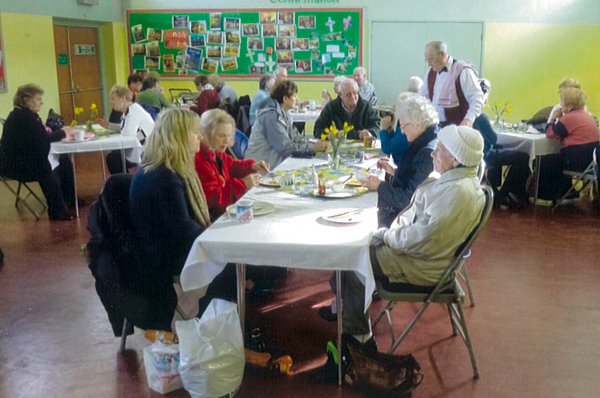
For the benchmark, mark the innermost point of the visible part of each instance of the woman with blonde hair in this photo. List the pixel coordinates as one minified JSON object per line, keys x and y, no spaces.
{"x":167,"y":203}
{"x":223,"y":178}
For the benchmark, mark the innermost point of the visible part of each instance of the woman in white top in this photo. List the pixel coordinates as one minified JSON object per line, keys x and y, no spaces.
{"x":134,"y":122}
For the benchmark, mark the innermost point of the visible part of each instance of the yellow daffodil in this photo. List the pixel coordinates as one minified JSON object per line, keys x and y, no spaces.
{"x":73,"y":123}
{"x":485,"y":108}
{"x":93,"y":107}
{"x":322,"y":175}
{"x":508,"y":111}
{"x":498,"y":105}
{"x":78,"y":111}
{"x":323,"y":136}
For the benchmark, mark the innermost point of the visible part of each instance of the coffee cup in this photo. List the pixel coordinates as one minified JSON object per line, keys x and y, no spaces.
{"x":368,"y":141}
{"x":79,"y":135}
{"x":312,"y":105}
{"x":243,"y":211}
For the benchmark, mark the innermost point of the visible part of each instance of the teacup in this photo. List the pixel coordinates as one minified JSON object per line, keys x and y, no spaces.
{"x":243,"y":211}
{"x":337,"y":187}
{"x":287,"y":181}
{"x":78,"y":135}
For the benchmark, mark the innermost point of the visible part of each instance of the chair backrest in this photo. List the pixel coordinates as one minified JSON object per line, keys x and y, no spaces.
{"x":151,"y":109}
{"x":177,"y":92}
{"x":243,"y":120}
{"x":240,"y":145}
{"x":461,"y":251}
{"x":481,"y":171}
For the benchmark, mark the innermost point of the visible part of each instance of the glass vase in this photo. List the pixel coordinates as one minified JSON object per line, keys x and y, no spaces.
{"x":497,"y":122}
{"x":335,"y":159}
{"x":89,"y":128}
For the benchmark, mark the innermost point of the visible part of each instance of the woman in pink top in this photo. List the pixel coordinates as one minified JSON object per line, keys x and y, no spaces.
{"x":576,"y":129}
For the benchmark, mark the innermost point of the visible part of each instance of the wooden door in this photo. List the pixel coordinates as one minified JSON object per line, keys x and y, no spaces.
{"x":78,"y":66}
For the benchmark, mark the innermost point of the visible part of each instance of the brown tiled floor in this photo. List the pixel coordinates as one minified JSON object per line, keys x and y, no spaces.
{"x":535,"y":327}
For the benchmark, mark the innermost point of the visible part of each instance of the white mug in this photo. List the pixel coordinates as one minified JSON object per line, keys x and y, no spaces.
{"x":243,"y":211}
{"x":79,"y":135}
{"x":312,"y":105}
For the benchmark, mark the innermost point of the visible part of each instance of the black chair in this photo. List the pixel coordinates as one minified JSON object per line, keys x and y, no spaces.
{"x":447,"y":291}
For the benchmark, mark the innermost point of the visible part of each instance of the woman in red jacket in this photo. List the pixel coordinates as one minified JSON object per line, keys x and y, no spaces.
{"x":223,"y":178}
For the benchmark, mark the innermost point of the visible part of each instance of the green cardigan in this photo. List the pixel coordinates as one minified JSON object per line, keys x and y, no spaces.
{"x":154,"y":98}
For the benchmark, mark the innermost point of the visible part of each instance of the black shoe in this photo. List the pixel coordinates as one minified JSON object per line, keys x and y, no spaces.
{"x":327,"y":314}
{"x":327,"y":373}
{"x":376,"y":296}
{"x":63,"y":217}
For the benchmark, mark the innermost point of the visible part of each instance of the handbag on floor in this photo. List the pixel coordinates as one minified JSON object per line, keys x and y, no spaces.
{"x":381,"y":375}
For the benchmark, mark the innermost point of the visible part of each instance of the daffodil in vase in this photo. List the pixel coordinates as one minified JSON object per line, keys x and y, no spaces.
{"x":336,"y":138}
{"x":499,"y":109}
{"x":89,"y":123}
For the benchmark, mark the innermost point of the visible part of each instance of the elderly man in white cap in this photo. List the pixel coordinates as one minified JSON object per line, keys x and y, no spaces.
{"x":420,"y":244}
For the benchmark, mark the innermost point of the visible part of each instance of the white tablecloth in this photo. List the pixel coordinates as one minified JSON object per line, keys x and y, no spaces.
{"x":294,"y":236}
{"x":308,"y":116}
{"x":132,"y":145}
{"x":533,"y":144}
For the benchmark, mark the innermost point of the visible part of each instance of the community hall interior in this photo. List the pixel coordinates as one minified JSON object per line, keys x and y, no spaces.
{"x":534,"y":271}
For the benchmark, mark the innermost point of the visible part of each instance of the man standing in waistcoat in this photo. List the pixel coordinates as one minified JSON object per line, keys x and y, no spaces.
{"x":459,"y":103}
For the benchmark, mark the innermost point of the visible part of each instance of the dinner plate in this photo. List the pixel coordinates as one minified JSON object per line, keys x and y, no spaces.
{"x":353,"y":216}
{"x":68,"y":141}
{"x":258,"y":209}
{"x":329,"y":194}
{"x":272,"y":182}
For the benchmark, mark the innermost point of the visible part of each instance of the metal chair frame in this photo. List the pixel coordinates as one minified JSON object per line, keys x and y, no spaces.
{"x":587,"y":176}
{"x":175,"y":93}
{"x":447,"y":291}
{"x":23,"y":200}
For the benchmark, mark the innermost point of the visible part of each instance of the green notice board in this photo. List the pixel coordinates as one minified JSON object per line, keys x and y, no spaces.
{"x":246,"y":43}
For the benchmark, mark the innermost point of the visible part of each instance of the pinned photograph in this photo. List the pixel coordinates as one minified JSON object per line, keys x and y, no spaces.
{"x":197,"y":40}
{"x":285,"y":17}
{"x":269,"y":30}
{"x":214,"y":51}
{"x":341,"y":68}
{"x":181,"y":22}
{"x":141,"y":72}
{"x":313,"y":43}
{"x":327,"y":37}
{"x":138,"y":49}
{"x":152,"y":62}
{"x":267,"y":17}
{"x":250,"y":29}
{"x":169,"y":63}
{"x":215,"y":20}
{"x":314,"y":35}
{"x":210,"y":65}
{"x":192,"y":59}
{"x":352,"y":52}
{"x":270,"y":50}
{"x":285,"y":57}
{"x":138,"y":33}
{"x":232,"y":24}
{"x":299,"y":44}
{"x":307,"y":22}
{"x":346,"y":42}
{"x":182,"y":72}
{"x":262,"y":57}
{"x":256,"y":43}
{"x":338,"y":35}
{"x":233,"y":37}
{"x":319,"y":66}
{"x":283,"y":44}
{"x":155,"y":34}
{"x":180,"y":59}
{"x":153,"y":49}
{"x":232,"y":50}
{"x":288,"y":67}
{"x":303,"y":66}
{"x":315,"y":55}
{"x":256,"y":69}
{"x":347,"y":61}
{"x":177,"y":38}
{"x":215,"y":37}
{"x":287,"y":30}
{"x":229,"y":63}
{"x":198,"y":26}
{"x":329,"y":71}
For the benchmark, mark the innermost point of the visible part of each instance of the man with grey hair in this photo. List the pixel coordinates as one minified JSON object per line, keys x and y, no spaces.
{"x":451,"y":86}
{"x":280,"y":74}
{"x":265,"y":85}
{"x":349,"y":108}
{"x":414,"y":84}
{"x":365,"y":87}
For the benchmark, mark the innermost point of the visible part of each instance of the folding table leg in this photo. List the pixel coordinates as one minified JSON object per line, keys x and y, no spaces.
{"x":103,"y":165}
{"x":340,"y":308}
{"x":123,"y":160}
{"x":75,"y":185}
{"x":241,"y":292}
{"x":538,"y":167}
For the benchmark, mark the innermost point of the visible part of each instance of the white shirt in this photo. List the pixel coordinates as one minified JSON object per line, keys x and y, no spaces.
{"x":137,"y":119}
{"x":468,"y":83}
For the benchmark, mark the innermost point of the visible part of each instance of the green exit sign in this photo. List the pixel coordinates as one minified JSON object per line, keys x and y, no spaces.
{"x":63,"y":59}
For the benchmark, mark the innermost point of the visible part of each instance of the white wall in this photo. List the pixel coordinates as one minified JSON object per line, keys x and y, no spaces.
{"x":514,"y":11}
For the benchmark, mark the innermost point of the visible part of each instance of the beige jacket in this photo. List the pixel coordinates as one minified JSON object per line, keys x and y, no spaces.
{"x":420,"y":244}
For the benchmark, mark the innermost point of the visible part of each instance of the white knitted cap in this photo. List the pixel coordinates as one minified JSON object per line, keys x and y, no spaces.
{"x":464,"y":143}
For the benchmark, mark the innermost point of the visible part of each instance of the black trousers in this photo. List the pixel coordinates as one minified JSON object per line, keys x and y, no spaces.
{"x":114,"y":161}
{"x":57,"y":186}
{"x":516,"y":178}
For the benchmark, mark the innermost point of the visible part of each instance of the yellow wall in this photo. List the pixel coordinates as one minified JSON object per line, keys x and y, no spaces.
{"x":526,"y":62}
{"x":114,"y":53}
{"x":29,"y":57}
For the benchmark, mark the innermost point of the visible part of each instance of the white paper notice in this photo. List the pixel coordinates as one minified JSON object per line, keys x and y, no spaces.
{"x":262,"y":57}
{"x":332,"y":48}
{"x":338,"y":55}
{"x":326,"y":58}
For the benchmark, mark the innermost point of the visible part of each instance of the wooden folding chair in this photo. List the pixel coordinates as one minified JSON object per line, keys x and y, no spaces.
{"x":447,"y":291}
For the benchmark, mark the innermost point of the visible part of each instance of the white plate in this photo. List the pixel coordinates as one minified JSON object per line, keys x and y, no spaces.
{"x":272,"y":182}
{"x":329,"y":194}
{"x":67,"y":141}
{"x":354,"y":216}
{"x":258,"y":208}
